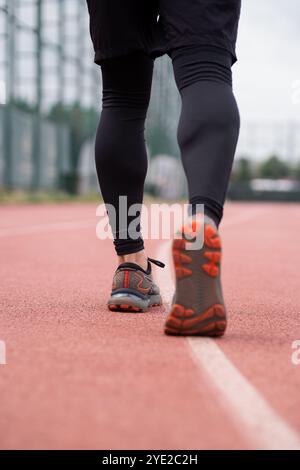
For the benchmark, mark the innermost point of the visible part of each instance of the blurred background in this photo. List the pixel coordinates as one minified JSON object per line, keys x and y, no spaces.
{"x":50,"y":101}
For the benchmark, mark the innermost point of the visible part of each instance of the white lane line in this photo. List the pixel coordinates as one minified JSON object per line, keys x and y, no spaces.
{"x":52,"y":227}
{"x":260,"y":424}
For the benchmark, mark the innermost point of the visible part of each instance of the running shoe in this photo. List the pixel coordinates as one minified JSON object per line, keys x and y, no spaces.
{"x":198,"y":306}
{"x":133,"y":289}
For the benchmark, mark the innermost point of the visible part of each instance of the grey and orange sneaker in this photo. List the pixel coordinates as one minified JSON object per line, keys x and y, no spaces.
{"x":198,"y":306}
{"x":133,"y":289}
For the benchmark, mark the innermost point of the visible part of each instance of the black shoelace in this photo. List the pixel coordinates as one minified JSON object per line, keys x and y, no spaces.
{"x":156,"y":262}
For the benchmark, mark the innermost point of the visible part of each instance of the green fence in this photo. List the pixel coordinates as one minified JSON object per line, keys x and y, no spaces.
{"x":21,"y":167}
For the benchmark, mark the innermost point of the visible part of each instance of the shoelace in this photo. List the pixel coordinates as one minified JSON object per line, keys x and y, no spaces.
{"x":156,"y":262}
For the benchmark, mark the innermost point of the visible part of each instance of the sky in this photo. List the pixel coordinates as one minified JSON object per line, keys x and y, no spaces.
{"x":267,"y":75}
{"x":267,"y":79}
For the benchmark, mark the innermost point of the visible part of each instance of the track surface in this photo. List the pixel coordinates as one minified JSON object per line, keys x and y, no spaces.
{"x":78,"y":376}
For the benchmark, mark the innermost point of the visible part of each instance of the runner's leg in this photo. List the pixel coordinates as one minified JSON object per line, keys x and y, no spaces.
{"x":121,"y":157}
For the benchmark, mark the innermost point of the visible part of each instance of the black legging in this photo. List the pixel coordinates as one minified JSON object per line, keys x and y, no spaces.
{"x":207,"y":134}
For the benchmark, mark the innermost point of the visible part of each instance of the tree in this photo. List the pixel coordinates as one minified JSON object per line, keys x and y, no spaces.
{"x":242,"y":172}
{"x":296,"y":171}
{"x":274,"y":168}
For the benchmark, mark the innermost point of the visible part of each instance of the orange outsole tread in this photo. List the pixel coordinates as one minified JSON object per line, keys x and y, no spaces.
{"x":128,"y":308}
{"x":124,"y":308}
{"x":186,"y":322}
{"x":182,"y":260}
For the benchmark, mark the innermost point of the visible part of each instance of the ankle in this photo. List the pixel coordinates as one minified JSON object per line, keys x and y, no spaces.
{"x":139,"y":258}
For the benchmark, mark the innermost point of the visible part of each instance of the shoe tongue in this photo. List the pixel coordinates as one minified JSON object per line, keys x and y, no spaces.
{"x":135,"y":266}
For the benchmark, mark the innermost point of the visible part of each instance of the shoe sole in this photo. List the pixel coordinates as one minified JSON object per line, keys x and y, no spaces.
{"x":133,"y":304}
{"x":184,"y":321}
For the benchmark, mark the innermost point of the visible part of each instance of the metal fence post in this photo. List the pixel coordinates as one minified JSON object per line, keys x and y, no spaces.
{"x":10,"y":89}
{"x":37,"y":151}
{"x":61,"y":91}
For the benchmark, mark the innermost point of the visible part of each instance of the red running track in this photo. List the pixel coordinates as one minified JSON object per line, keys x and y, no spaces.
{"x":80,"y":377}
